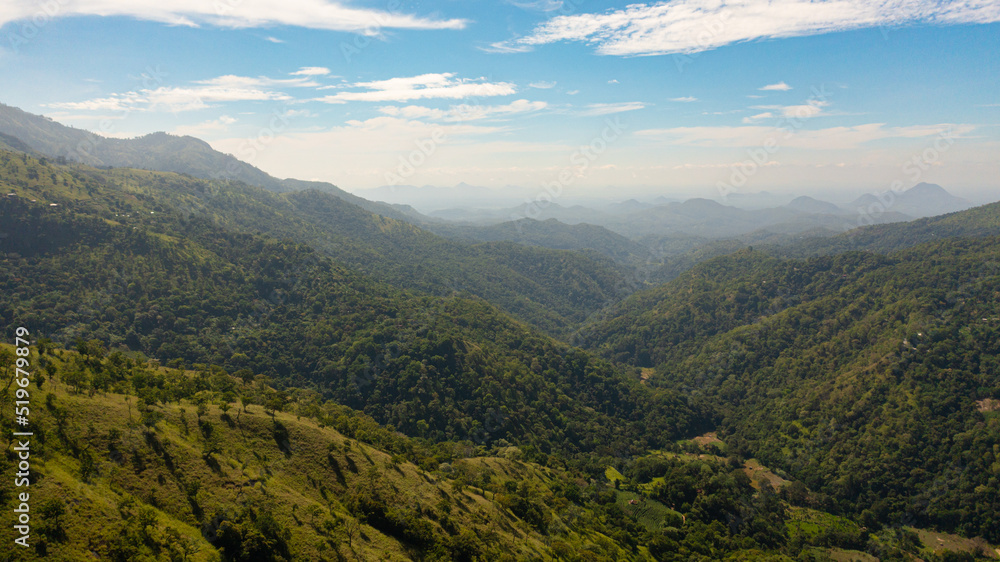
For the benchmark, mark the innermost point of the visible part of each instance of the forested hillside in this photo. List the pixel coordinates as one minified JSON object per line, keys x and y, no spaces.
{"x":43,"y":137}
{"x":439,"y":367}
{"x":872,"y":378}
{"x":868,"y":382}
{"x":550,"y":289}
{"x":135,"y":461}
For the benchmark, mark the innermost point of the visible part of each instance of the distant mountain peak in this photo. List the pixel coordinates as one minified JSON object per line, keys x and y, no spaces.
{"x":702,"y":203}
{"x":807,"y":204}
{"x":921,"y":200}
{"x":924,"y":188}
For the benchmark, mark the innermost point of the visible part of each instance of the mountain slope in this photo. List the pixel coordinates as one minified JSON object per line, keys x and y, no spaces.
{"x":921,"y":200}
{"x":161,"y":152}
{"x":863,"y":375}
{"x":551,"y":289}
{"x":979,"y":221}
{"x":204,"y":466}
{"x":552,"y":234}
{"x":179,"y":288}
{"x":811,"y":205}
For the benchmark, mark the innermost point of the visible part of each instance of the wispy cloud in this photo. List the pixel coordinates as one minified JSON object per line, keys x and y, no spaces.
{"x":609,"y":108}
{"x":460,"y":113}
{"x":685,"y":99}
{"x":424,"y":86}
{"x":311,"y":71}
{"x":759,"y":117}
{"x":314,"y":14}
{"x":542,"y":85}
{"x":689,"y":26}
{"x":812,"y":108}
{"x":273,"y":39}
{"x":780,"y":87}
{"x":506,"y":47}
{"x":537,"y":5}
{"x":234,"y":81}
{"x":832,"y":138}
{"x":201,"y":94}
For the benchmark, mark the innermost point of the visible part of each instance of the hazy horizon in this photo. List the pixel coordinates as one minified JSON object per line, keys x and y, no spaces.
{"x":689,"y":98}
{"x":429,"y":198}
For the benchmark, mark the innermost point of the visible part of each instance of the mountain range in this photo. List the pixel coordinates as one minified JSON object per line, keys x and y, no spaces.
{"x":226,"y":371}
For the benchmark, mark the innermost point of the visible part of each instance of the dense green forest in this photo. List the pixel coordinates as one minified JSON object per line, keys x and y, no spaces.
{"x":159,"y":463}
{"x":442,"y":367}
{"x":872,"y":378}
{"x":226,"y":373}
{"x":550,"y":289}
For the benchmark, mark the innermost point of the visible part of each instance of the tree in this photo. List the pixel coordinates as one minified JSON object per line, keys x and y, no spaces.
{"x":52,"y":524}
{"x":150,"y":418}
{"x":351,"y":530}
{"x":313,"y":511}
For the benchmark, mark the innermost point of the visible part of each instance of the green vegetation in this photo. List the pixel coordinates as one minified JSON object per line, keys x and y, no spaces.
{"x":227,"y":373}
{"x":860,"y":375}
{"x":550,"y":289}
{"x":131,"y":474}
{"x":443,"y":368}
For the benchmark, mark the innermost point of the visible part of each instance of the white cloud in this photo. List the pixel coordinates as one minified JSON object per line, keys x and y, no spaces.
{"x":314,"y":14}
{"x":207,"y":128}
{"x":186,"y":99}
{"x":202,"y":94}
{"x":505,"y":47}
{"x":273,"y":39}
{"x":298,"y":113}
{"x":311,"y":71}
{"x":425,"y":86}
{"x":537,"y":5}
{"x":542,"y":85}
{"x":572,"y":92}
{"x":115,"y":102}
{"x":233,"y":81}
{"x":595,"y":109}
{"x":802,"y":111}
{"x":833,"y":138}
{"x":685,"y":99}
{"x":613,"y":81}
{"x":689,"y":26}
{"x":758,"y":117}
{"x":460,"y":113}
{"x":812,"y":108}
{"x":363,"y":152}
{"x":780,"y":87}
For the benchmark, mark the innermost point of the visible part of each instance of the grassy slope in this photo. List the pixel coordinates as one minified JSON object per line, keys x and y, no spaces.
{"x":317,"y":466}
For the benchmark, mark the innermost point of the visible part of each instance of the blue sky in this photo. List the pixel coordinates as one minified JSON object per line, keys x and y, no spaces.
{"x":681,"y":98}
